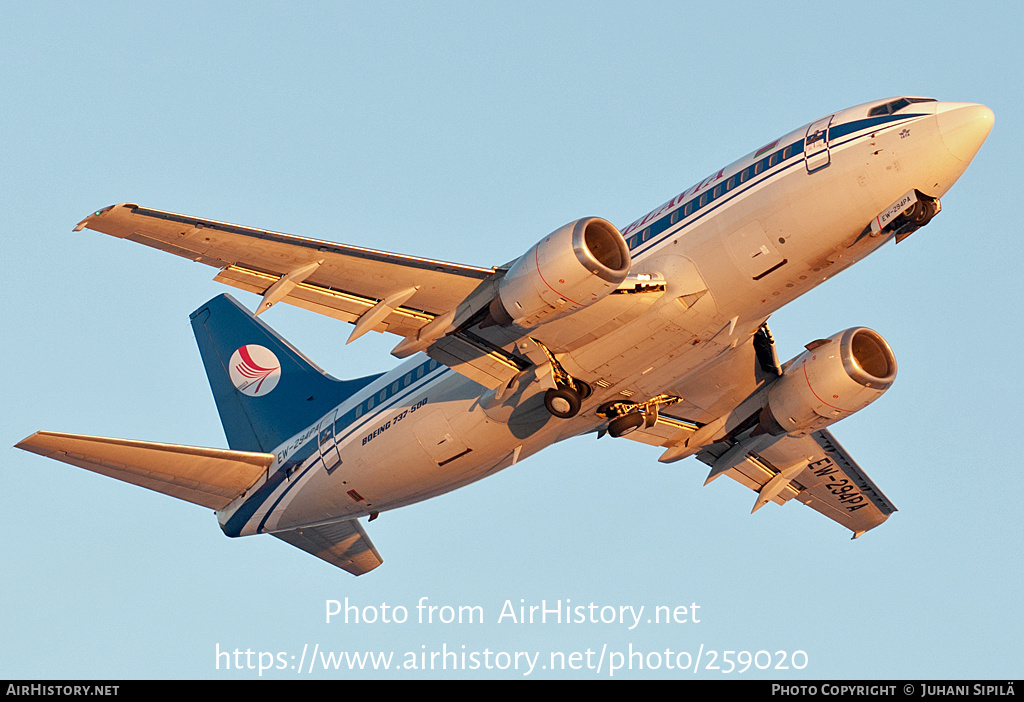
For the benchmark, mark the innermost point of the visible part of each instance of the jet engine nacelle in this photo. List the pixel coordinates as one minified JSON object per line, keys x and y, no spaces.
{"x":834,"y":378}
{"x":573,"y":267}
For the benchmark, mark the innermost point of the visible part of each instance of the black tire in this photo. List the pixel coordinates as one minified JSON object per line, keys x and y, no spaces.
{"x":626,"y":424}
{"x":562,"y":402}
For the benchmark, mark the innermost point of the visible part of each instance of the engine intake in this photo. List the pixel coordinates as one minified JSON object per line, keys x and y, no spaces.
{"x":573,"y":267}
{"x":834,"y":378}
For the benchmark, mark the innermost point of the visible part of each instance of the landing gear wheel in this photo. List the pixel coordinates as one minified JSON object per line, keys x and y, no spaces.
{"x":921,"y":212}
{"x":562,"y":402}
{"x":626,"y":424}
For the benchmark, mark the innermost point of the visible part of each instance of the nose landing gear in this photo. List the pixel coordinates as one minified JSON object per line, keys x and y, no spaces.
{"x":904,"y":217}
{"x":916,"y":216}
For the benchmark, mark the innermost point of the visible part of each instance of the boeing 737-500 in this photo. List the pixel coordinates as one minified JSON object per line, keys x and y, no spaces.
{"x":655,"y":333}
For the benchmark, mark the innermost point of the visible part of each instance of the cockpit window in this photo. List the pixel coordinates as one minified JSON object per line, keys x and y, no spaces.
{"x":895,"y":106}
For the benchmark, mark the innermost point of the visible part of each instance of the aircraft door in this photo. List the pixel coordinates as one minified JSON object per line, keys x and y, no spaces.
{"x":816,"y":151}
{"x":328,"y":446}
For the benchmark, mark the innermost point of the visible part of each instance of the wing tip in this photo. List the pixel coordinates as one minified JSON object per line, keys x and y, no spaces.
{"x":30,"y":443}
{"x":99,"y":213}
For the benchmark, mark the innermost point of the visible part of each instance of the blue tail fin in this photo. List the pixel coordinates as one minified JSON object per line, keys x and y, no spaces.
{"x":266,"y":390}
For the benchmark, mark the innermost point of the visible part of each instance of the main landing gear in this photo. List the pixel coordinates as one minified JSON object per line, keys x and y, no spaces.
{"x":627,"y":417}
{"x":626,"y":424}
{"x":564,"y":400}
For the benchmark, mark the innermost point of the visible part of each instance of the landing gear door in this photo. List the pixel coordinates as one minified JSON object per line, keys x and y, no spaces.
{"x":328,"y":446}
{"x":816,"y":152}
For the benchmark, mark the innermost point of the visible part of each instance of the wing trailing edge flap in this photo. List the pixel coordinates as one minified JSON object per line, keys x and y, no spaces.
{"x":338,"y":304}
{"x":814,"y":469}
{"x":342,"y":544}
{"x":204,"y":476}
{"x":479,"y":362}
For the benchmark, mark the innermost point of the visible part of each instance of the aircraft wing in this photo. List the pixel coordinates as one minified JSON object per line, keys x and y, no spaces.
{"x":375,"y":290}
{"x":402,"y":293}
{"x":342,"y":544}
{"x":813,"y":468}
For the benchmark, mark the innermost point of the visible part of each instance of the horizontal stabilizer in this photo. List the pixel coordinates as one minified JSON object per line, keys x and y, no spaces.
{"x":204,"y":476}
{"x":342,"y":544}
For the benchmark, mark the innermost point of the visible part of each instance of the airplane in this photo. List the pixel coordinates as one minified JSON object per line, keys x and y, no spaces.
{"x":655,"y":333}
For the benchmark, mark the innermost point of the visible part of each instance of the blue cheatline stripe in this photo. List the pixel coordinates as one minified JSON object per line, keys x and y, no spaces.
{"x":842,"y":130}
{"x":238,"y":520}
{"x":402,"y":395}
{"x":693,"y":208}
{"x":650,"y":234}
{"x":233,"y":527}
{"x":366,"y":420}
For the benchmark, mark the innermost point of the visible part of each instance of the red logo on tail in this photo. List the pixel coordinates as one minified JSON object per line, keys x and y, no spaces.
{"x":254,"y":370}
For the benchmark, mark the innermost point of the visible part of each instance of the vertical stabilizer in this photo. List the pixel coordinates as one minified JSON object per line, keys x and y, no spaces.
{"x":265,"y":389}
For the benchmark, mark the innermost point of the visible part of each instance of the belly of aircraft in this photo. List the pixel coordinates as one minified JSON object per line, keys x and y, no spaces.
{"x":726,"y":276}
{"x":401,"y":458}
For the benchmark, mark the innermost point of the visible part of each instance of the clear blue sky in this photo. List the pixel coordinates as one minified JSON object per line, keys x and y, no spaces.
{"x":466,"y":131}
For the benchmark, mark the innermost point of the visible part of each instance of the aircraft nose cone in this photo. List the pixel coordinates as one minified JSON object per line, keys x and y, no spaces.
{"x":964,"y":129}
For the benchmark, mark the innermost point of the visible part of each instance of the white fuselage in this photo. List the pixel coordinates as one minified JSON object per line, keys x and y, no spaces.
{"x":732,"y":249}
